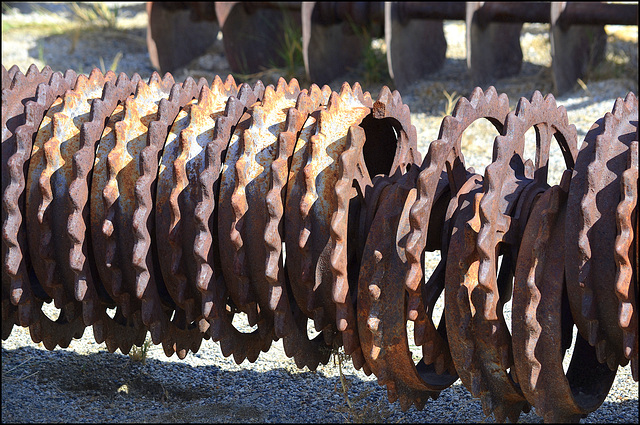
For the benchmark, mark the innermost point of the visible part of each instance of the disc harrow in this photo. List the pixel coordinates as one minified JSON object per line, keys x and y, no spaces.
{"x":170,"y":208}
{"x":335,"y":35}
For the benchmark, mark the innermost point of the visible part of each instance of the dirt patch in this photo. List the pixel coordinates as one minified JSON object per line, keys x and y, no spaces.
{"x":208,"y":412}
{"x":117,"y":377}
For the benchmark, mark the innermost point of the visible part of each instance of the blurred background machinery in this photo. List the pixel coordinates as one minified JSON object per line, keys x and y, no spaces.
{"x":255,"y":35}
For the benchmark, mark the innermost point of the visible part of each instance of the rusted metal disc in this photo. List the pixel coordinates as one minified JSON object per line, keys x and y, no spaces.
{"x":542,"y":323}
{"x":383,"y":143}
{"x":460,"y":280}
{"x":49,"y":177}
{"x":510,"y":186}
{"x":26,"y":291}
{"x":381,"y":302}
{"x":256,"y":150}
{"x":411,"y":383}
{"x":217,"y":307}
{"x":434,"y":340}
{"x":115,"y":171}
{"x":182,"y":160}
{"x":17,"y":90}
{"x":179,"y":333}
{"x":301,"y":259}
{"x":10,"y":100}
{"x":337,"y":145}
{"x":242,"y":210}
{"x":310,"y":203}
{"x":280,"y":116}
{"x":591,"y":230}
{"x":117,"y":332}
{"x":627,"y":258}
{"x":289,"y":319}
{"x":445,"y":153}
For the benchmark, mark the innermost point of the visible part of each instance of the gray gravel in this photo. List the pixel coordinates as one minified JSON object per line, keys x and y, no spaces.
{"x":85,"y":383}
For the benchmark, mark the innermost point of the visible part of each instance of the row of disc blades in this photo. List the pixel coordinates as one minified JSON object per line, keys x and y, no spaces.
{"x":170,"y":208}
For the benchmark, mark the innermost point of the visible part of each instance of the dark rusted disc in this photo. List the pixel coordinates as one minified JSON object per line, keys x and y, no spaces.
{"x":254,"y":36}
{"x":542,"y":323}
{"x":112,"y":203}
{"x":510,"y":185}
{"x":381,"y":302}
{"x":383,"y":143}
{"x":591,"y":230}
{"x":255,"y":152}
{"x":47,"y":188}
{"x":29,"y":295}
{"x":117,"y":332}
{"x":241,"y":204}
{"x":159,"y":312}
{"x":217,"y":307}
{"x":10,"y":100}
{"x":18,"y":90}
{"x":627,"y":258}
{"x":445,"y":153}
{"x":310,"y":202}
{"x":26,"y":291}
{"x":179,"y":32}
{"x":290,"y":321}
{"x":181,"y":163}
{"x":461,"y":279}
{"x":47,"y":203}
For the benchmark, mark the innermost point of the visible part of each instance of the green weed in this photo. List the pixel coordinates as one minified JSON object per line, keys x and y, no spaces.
{"x":97,"y":14}
{"x":291,"y":52}
{"x":40,"y":52}
{"x":375,"y":64}
{"x":114,"y":63}
{"x":374,"y":61}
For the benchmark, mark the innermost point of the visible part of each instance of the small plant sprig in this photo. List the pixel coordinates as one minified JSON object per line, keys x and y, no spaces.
{"x":452,"y":99}
{"x":139,"y":354}
{"x":367,"y":413}
{"x":97,"y":14}
{"x":338,"y":357}
{"x":374,"y":60}
{"x":114,"y":63}
{"x":291,"y":52}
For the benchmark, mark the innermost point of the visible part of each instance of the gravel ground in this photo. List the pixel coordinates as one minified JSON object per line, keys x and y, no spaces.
{"x":85,"y":383}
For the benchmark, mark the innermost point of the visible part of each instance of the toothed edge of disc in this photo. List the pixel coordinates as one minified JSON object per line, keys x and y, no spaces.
{"x":627,"y":313}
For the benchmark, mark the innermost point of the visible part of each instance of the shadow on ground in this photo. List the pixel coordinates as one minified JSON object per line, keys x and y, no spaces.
{"x":156,"y":392}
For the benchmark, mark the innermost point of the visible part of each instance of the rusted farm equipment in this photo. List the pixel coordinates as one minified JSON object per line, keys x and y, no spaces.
{"x":254,"y":35}
{"x":180,"y":205}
